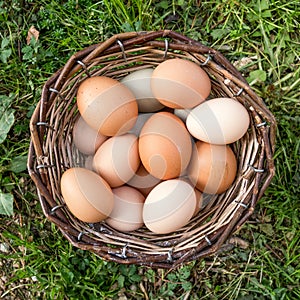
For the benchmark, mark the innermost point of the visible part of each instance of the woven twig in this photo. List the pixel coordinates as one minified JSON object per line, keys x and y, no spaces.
{"x":51,"y":151}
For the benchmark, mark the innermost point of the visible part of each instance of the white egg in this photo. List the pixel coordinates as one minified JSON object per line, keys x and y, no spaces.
{"x":169,"y":206}
{"x":139,"y":84}
{"x":218,"y":121}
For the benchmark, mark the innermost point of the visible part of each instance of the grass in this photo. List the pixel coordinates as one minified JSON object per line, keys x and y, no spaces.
{"x":36,"y":262}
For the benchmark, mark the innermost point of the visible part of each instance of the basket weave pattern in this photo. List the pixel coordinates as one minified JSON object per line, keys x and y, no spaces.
{"x":52,"y":152}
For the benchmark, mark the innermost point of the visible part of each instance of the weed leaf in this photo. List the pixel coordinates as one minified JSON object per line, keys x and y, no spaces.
{"x":163,"y":4}
{"x":4,"y":42}
{"x":263,"y":4}
{"x":6,"y":204}
{"x":219,"y":33}
{"x":18,"y":164}
{"x":28,"y":52}
{"x":7,"y":119}
{"x":6,"y":115}
{"x":121,"y":280}
{"x":267,"y":228}
{"x":5,"y":54}
{"x":257,"y":75}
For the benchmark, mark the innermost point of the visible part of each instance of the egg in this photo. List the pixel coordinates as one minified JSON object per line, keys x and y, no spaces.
{"x":199,"y":195}
{"x":117,"y":159}
{"x":86,"y":139}
{"x":107,"y":105}
{"x":212,"y":168}
{"x":218,"y":121}
{"x":127,"y":214}
{"x":165,"y":146}
{"x":87,"y":195}
{"x":182,"y":113}
{"x":169,"y":206}
{"x":139,"y":83}
{"x":180,"y":83}
{"x":143,"y":181}
{"x":199,"y":202}
{"x":88,"y":163}
{"x":141,"y":120}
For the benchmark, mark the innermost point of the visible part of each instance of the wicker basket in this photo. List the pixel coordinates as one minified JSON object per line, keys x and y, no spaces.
{"x":51,"y":151}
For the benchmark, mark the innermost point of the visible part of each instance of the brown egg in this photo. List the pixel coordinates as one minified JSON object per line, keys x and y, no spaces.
{"x":117,"y":159}
{"x":87,"y":195}
{"x":86,"y":139}
{"x":180,"y":83}
{"x":127,"y":214}
{"x":212,"y":168}
{"x":107,"y":105}
{"x":143,"y":181}
{"x":165,"y":146}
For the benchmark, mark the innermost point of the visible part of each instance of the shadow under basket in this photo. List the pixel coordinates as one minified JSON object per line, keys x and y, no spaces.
{"x":51,"y":151}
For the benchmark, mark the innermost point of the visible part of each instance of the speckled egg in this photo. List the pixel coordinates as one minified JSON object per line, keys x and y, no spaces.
{"x":107,"y":105}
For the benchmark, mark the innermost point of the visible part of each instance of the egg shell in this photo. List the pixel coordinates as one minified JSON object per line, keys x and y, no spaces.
{"x":165,"y":146}
{"x":180,"y":83}
{"x":127,"y":214}
{"x":212,"y":168}
{"x":87,"y":195}
{"x":182,"y":113}
{"x":199,"y":201}
{"x":88,"y":163}
{"x":117,"y":159}
{"x":107,"y":105}
{"x":218,"y":121}
{"x":86,"y":139}
{"x":143,"y":181}
{"x":139,"y":83}
{"x":140,"y":122}
{"x":199,"y":195}
{"x":169,"y":206}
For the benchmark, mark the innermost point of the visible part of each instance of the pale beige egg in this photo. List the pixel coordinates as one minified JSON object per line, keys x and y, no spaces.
{"x":127,"y":214}
{"x":139,"y":83}
{"x":143,"y":181}
{"x":140,"y":122}
{"x":182,"y":113}
{"x":85,"y":138}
